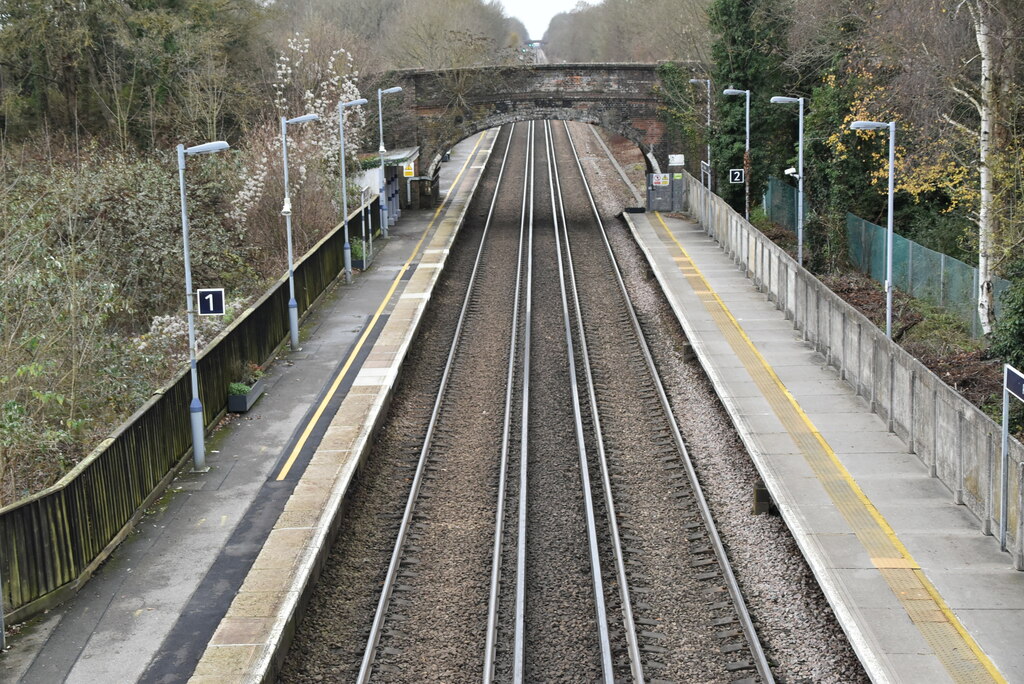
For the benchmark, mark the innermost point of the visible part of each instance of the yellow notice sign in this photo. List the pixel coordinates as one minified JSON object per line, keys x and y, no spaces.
{"x":409,"y":169}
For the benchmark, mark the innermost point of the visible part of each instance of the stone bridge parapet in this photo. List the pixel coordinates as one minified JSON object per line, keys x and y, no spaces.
{"x":441,"y":108}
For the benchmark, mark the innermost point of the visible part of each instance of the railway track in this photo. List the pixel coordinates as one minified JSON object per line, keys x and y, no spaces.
{"x":552,"y":527}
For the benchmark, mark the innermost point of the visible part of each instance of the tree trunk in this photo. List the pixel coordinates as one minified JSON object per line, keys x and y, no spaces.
{"x":981,"y":14}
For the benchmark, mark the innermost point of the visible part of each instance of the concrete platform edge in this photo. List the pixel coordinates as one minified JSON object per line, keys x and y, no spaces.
{"x":876,"y":668}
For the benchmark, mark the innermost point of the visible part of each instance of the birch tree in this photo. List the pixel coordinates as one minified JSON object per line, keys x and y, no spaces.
{"x":996,"y":34}
{"x":951,"y":68}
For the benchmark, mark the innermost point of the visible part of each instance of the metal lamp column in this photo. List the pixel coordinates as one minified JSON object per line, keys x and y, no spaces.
{"x":746,"y":150}
{"x":347,"y":249}
{"x":293,"y":306}
{"x":800,"y":177}
{"x":707,"y":83}
{"x":874,"y":126}
{"x":380,"y":119}
{"x":196,"y":406}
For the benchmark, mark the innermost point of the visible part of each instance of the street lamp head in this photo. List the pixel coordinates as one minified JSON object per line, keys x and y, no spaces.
{"x":734,"y":91}
{"x":868,"y":125}
{"x":778,"y":99}
{"x":396,"y":89}
{"x":354,"y":103}
{"x":303,"y":119}
{"x":207,"y":148}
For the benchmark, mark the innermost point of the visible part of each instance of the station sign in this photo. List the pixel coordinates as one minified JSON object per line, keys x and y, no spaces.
{"x":676,"y":160}
{"x":1014,"y":380}
{"x":1013,"y":384}
{"x":210,"y":301}
{"x":736,"y":175}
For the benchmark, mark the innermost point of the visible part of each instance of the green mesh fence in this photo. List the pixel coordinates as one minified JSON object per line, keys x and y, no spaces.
{"x":780,"y":204}
{"x":920,"y":272}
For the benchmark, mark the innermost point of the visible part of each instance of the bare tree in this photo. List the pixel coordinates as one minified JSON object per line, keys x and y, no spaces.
{"x":952,"y":67}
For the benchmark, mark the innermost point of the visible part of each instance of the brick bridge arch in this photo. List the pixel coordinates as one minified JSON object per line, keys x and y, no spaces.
{"x":439,"y":108}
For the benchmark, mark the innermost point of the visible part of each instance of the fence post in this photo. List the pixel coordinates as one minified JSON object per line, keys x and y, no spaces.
{"x":942,"y":279}
{"x":865,"y":260}
{"x":1018,"y":559}
{"x":3,"y":625}
{"x":958,"y":492}
{"x":974,"y":293}
{"x":990,"y":486}
{"x":910,"y":268}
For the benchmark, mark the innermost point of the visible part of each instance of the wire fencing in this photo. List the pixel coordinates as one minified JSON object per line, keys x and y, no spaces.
{"x":922,"y":273}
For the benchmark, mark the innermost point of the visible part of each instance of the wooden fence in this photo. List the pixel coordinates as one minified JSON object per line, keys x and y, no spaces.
{"x":52,"y":542}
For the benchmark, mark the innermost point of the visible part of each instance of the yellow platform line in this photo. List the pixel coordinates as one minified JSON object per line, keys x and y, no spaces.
{"x":304,"y":437}
{"x":955,"y":648}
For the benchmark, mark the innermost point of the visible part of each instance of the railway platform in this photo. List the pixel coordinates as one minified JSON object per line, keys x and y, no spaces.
{"x":150,"y":612}
{"x":921,"y":593}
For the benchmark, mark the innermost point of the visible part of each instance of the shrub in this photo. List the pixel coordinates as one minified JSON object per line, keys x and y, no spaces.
{"x":1008,"y":336}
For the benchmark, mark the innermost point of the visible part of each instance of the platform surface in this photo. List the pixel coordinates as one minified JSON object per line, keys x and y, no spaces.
{"x":922,"y":594}
{"x":150,"y":612}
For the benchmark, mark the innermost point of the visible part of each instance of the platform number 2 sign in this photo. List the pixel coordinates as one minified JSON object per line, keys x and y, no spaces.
{"x":211,"y":301}
{"x":735,"y":175}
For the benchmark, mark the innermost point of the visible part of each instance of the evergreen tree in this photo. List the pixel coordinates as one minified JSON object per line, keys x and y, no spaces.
{"x":748,"y":54}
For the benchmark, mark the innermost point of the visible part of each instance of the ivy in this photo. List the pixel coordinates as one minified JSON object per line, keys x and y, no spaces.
{"x":748,"y":54}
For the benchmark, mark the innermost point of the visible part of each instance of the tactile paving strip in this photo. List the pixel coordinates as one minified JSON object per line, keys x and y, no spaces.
{"x":953,"y":646}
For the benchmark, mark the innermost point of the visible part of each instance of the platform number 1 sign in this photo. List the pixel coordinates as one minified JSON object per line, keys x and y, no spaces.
{"x":735,"y":175}
{"x":211,"y":301}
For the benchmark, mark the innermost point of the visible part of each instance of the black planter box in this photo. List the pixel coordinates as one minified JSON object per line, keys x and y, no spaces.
{"x":240,"y":403}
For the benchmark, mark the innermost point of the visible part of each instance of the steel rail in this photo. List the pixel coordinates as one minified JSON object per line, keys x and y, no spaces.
{"x":369,"y":654}
{"x":601,"y":613}
{"x":506,"y":437}
{"x":519,"y":645}
{"x":743,"y":615}
{"x":628,"y":621}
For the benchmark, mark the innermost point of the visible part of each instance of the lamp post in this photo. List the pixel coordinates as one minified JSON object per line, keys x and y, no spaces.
{"x":196,"y":406}
{"x":874,"y":126}
{"x":707,"y":83}
{"x":746,"y":150}
{"x":344,"y":188}
{"x":293,"y":306}
{"x":799,"y":178}
{"x":383,"y":198}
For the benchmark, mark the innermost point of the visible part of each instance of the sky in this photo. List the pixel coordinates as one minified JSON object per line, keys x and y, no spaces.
{"x":537,"y":13}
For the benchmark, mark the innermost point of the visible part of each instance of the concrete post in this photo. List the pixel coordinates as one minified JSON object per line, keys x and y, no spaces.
{"x":1018,"y":557}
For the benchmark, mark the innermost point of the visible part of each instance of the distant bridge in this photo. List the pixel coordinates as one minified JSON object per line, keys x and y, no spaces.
{"x":443,"y":107}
